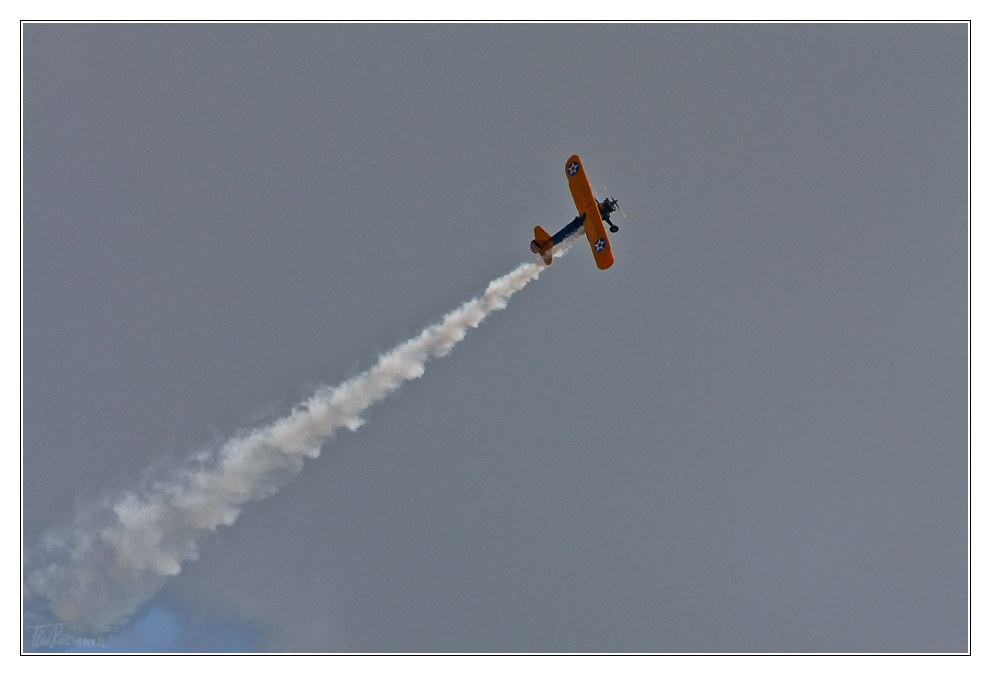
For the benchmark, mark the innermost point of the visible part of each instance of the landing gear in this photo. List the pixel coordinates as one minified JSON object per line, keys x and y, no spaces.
{"x":607,"y":207}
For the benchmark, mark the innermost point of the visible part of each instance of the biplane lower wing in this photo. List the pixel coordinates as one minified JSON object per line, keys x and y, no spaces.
{"x":585,"y":202}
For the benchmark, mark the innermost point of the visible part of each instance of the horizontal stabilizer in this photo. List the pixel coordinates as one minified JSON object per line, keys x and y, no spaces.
{"x":542,"y":244}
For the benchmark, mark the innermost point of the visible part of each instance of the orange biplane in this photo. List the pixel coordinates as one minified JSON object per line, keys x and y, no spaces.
{"x":592,"y":215}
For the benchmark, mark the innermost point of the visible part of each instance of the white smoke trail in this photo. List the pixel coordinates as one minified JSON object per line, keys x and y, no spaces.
{"x":97,"y":573}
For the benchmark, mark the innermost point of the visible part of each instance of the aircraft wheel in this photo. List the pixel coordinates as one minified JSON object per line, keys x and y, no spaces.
{"x":614,"y":228}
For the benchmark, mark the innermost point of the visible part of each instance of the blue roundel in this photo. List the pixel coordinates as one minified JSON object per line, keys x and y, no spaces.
{"x":573,"y":168}
{"x":600,"y":244}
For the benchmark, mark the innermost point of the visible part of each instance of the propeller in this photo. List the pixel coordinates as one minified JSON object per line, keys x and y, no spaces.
{"x":617,"y":202}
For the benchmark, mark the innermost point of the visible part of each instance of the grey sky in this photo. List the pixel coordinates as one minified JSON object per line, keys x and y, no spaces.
{"x":748,"y":435}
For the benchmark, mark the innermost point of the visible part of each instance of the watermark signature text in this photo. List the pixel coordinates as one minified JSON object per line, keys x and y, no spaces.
{"x":53,"y":636}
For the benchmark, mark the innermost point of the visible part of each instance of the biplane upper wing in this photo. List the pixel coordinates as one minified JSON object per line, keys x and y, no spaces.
{"x":595,"y":229}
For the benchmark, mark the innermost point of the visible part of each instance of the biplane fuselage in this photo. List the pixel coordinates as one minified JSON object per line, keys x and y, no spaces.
{"x":589,"y":216}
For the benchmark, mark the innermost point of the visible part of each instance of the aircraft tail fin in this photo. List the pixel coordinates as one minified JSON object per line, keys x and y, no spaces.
{"x":542,"y":244}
